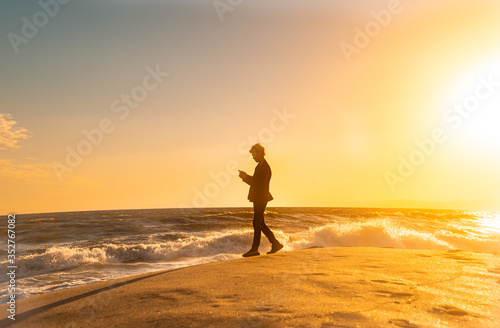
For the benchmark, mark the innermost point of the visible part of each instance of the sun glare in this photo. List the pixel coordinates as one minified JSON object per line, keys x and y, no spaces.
{"x":474,"y":106}
{"x":490,"y":222}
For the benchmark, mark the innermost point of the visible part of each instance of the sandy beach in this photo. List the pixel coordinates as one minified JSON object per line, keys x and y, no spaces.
{"x":316,"y":287}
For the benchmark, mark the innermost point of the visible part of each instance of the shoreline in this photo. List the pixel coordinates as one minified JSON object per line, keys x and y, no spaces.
{"x":314,"y":287}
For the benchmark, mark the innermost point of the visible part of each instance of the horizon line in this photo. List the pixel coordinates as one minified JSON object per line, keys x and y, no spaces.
{"x":228,"y":207}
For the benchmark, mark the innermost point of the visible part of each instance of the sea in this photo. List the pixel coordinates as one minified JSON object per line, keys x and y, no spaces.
{"x":61,"y":250}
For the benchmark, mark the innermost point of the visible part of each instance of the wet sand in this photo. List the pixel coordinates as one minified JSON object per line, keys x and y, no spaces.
{"x":317,"y":287}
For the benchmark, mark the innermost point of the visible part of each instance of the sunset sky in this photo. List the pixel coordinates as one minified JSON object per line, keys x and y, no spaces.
{"x":341,"y":113}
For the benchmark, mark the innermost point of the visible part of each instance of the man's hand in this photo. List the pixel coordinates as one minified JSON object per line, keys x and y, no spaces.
{"x":242,"y":174}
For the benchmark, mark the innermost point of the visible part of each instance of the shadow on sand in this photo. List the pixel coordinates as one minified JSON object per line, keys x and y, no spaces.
{"x":25,"y":315}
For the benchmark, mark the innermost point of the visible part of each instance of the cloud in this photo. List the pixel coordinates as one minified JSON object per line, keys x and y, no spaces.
{"x":9,"y":133}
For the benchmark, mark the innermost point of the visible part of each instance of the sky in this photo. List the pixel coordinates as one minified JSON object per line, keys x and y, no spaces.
{"x":155,"y":104}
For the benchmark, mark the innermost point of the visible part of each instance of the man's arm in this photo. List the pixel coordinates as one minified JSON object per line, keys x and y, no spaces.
{"x":246,"y":178}
{"x":260,"y":177}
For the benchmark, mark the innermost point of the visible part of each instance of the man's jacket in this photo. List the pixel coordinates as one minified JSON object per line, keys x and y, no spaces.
{"x":259,"y":183}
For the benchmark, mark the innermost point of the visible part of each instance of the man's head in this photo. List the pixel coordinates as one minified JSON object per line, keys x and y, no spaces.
{"x":258,"y":152}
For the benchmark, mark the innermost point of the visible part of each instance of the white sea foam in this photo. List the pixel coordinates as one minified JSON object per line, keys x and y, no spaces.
{"x":372,"y":233}
{"x":387,"y":233}
{"x":195,"y":247}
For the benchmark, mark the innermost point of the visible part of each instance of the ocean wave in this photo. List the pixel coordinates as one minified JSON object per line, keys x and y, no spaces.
{"x":236,"y":213}
{"x":242,"y":214}
{"x":42,"y":220}
{"x":59,"y":258}
{"x":371,"y":233}
{"x":387,"y":233}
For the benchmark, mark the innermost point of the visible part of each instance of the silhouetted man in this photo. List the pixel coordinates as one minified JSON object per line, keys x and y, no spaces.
{"x":259,"y":194}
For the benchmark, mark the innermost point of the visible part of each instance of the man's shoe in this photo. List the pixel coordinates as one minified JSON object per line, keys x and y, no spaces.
{"x":251,"y":253}
{"x":275,"y":248}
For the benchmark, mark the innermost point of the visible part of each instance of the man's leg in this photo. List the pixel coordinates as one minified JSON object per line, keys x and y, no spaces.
{"x":258,"y":220}
{"x":276,"y":245}
{"x":269,"y":234}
